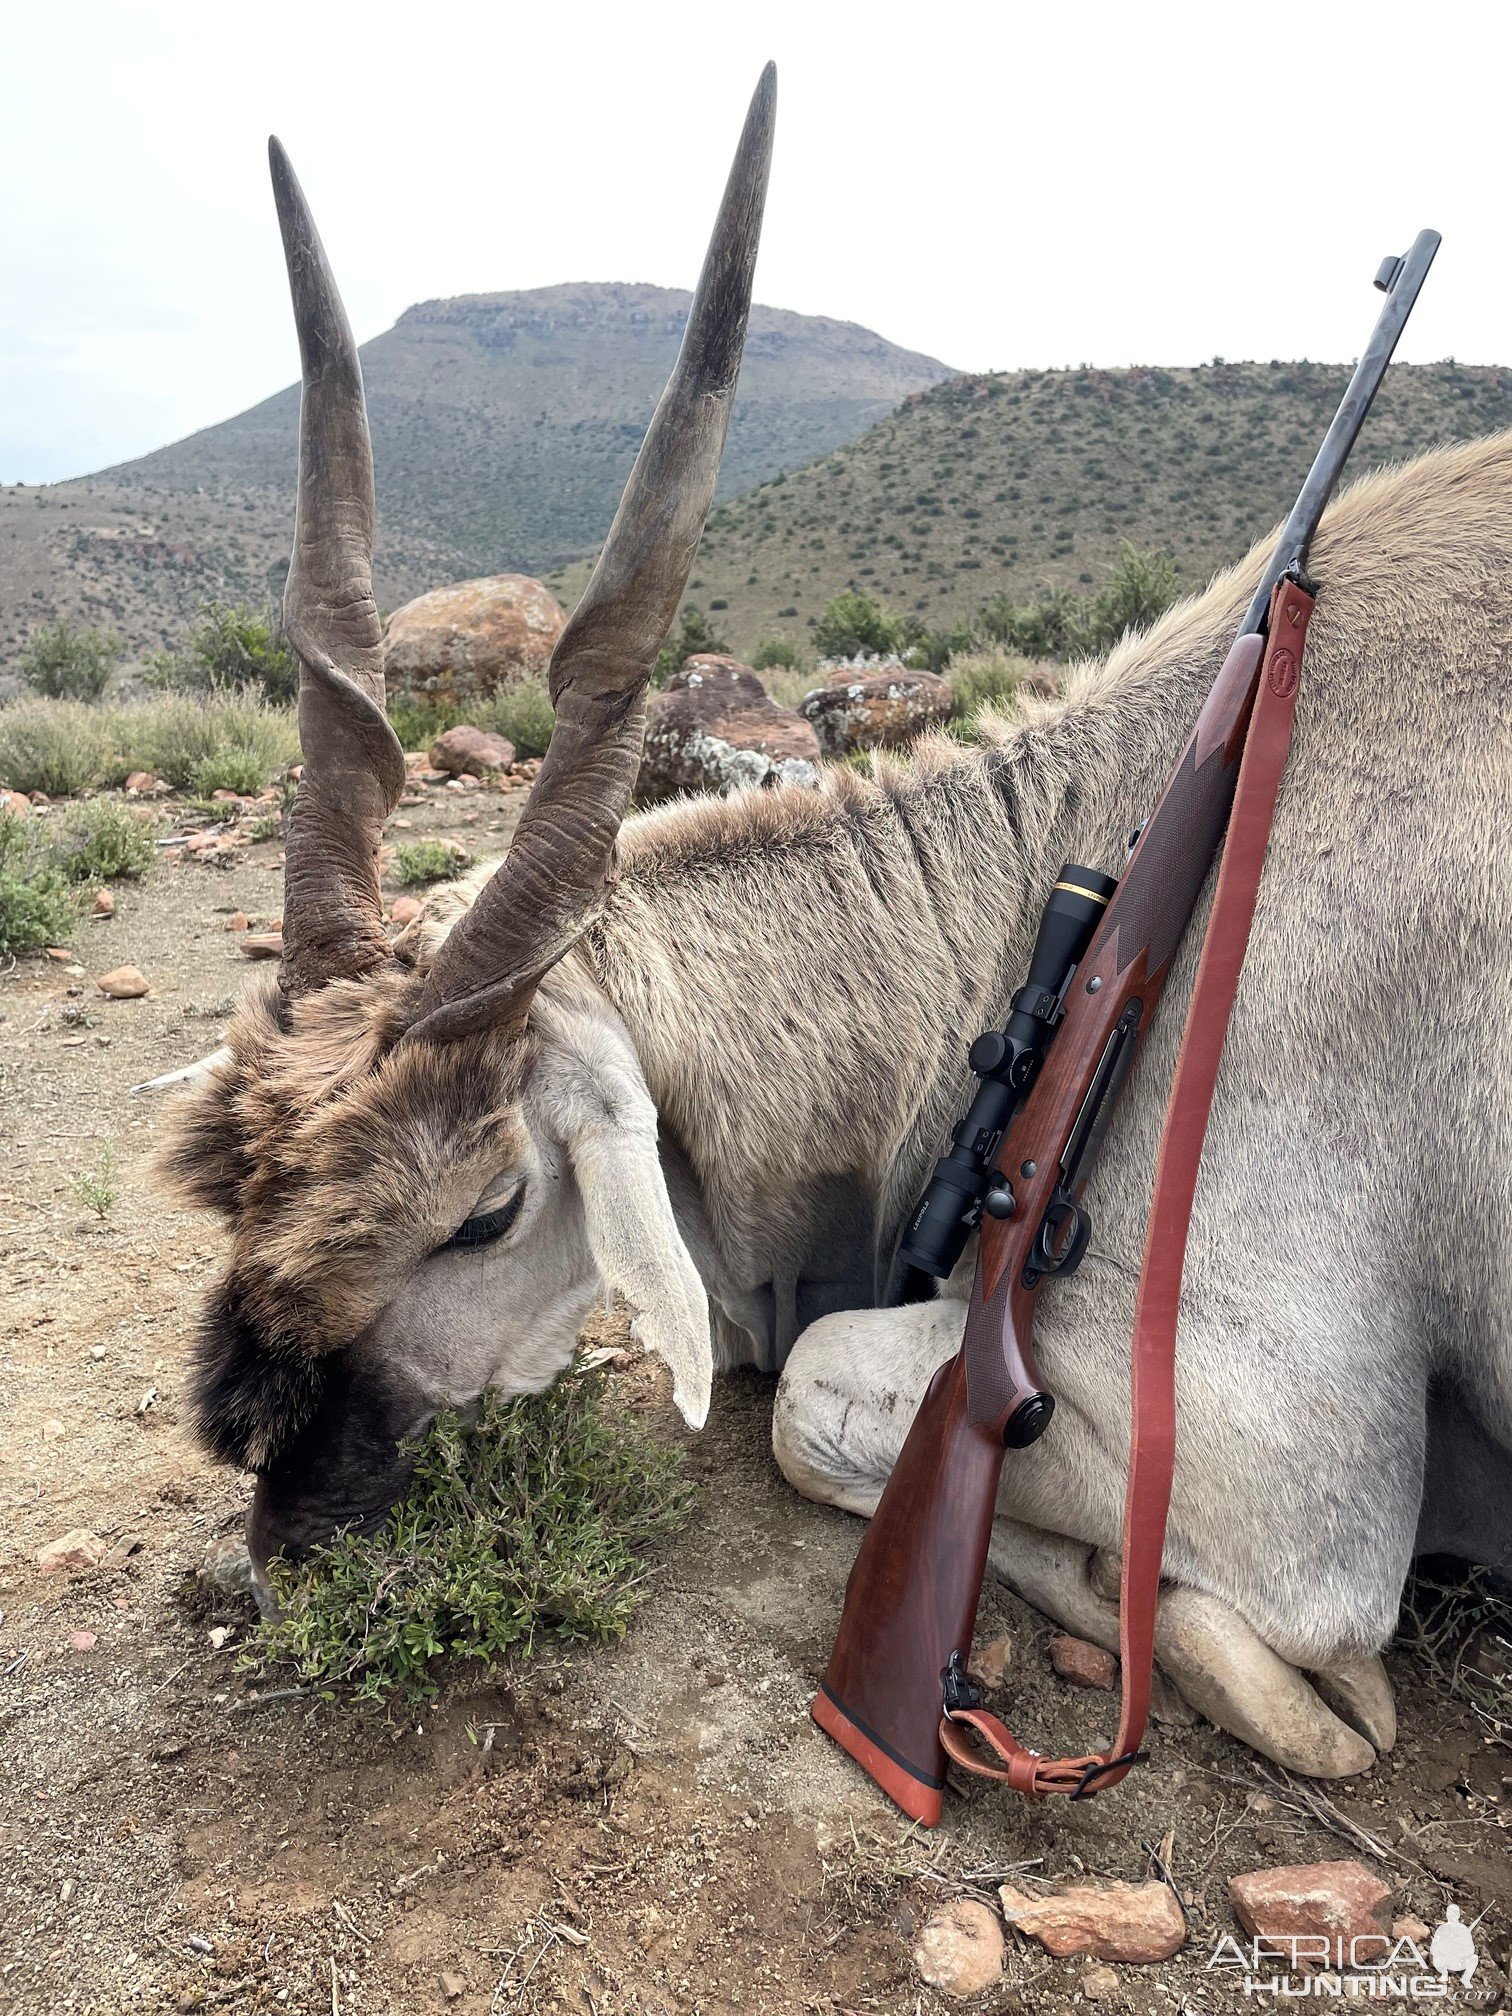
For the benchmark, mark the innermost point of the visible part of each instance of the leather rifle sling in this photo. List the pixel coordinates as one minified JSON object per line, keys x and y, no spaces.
{"x":1152,"y":1442}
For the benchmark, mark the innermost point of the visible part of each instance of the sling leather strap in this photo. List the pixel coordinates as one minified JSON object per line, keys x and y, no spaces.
{"x":1152,"y":1444}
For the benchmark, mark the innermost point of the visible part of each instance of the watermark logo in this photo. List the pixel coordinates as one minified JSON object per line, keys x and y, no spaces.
{"x":1370,"y":1967}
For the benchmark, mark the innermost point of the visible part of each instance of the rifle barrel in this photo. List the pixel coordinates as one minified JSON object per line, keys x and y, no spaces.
{"x":1400,"y":279}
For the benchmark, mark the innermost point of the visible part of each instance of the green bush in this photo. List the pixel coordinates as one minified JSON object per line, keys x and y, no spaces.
{"x":62,"y":747}
{"x":1059,"y":624}
{"x":37,"y":906}
{"x":522,"y":710}
{"x":776,"y":652}
{"x":180,"y":738}
{"x":230,"y":649}
{"x":853,"y":623}
{"x":534,"y":1526}
{"x":64,"y":664}
{"x":417,"y":722}
{"x":693,"y":637}
{"x":422,"y":861}
{"x":58,"y":746}
{"x":104,"y":842}
{"x":229,"y":769}
{"x":989,"y":676}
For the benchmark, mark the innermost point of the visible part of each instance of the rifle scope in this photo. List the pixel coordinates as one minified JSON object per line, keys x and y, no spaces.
{"x":1007,"y":1061}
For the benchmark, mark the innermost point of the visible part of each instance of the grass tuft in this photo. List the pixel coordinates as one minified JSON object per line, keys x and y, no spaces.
{"x":421,"y":861}
{"x":64,"y":746}
{"x":532,"y":1526}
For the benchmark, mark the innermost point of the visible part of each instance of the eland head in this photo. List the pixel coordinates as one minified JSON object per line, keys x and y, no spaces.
{"x":430,"y":1161}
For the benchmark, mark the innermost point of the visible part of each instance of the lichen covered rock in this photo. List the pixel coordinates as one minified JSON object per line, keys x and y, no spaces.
{"x":876,"y":710}
{"x":714,"y":727}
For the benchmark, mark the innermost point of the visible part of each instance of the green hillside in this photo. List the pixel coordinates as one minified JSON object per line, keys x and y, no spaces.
{"x":504,"y":426}
{"x":1028,"y":480}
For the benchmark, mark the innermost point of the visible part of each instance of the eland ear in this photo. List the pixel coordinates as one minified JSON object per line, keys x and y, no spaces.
{"x":640,"y":1252}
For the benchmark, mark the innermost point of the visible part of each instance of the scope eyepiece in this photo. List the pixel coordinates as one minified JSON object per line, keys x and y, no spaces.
{"x":1007,"y":1061}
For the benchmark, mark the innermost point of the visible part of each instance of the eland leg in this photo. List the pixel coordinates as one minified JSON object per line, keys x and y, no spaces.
{"x":844,"y":1405}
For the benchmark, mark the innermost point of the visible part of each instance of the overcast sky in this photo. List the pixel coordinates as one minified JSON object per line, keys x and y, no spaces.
{"x":999,"y":185}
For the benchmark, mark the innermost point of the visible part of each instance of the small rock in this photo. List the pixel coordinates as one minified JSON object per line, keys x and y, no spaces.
{"x":1098,"y":1983}
{"x":452,"y":1985}
{"x":39,"y":798}
{"x":122,"y":983}
{"x":76,"y":1549}
{"x":51,"y":1430}
{"x":218,"y":1634}
{"x":1134,"y":1922}
{"x":464,"y":751}
{"x":1337,"y":1901}
{"x":990,"y":1662}
{"x":226,"y":1569}
{"x":104,"y":903}
{"x":67,"y":1890}
{"x":61,"y":953}
{"x":1082,"y":1664}
{"x":81,"y":1641}
{"x":960,"y":1949}
{"x":405,"y":910}
{"x":238,"y":921}
{"x":97,"y":1353}
{"x":262,"y":944}
{"x":1413,"y":1929}
{"x":145,"y":785}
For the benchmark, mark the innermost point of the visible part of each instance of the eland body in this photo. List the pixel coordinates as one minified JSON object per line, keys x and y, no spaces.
{"x":704,"y":1059}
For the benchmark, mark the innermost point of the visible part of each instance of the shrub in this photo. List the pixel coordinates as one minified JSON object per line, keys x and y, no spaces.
{"x":37,"y":907}
{"x":853,"y":623}
{"x":534,"y":1526}
{"x":104,"y":842}
{"x":417,"y":722}
{"x":692,"y":639}
{"x":230,"y":649}
{"x":183,"y":740}
{"x":64,"y":664}
{"x":522,"y":710}
{"x":1059,"y":624}
{"x":62,"y":746}
{"x":775,"y":652}
{"x":57,"y":746}
{"x":228,"y":769}
{"x":986,"y":677}
{"x":422,"y":861}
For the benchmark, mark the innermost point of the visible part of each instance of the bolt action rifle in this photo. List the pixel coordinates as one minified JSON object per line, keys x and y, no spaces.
{"x":896,"y":1694}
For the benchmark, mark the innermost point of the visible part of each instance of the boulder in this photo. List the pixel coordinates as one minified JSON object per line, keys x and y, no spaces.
{"x":1315,"y":1913}
{"x":17,"y":802}
{"x":469,"y":752}
{"x":960,"y":1948}
{"x":461,"y":642}
{"x":876,"y":710}
{"x":714,"y":727}
{"x":1112,"y":1921}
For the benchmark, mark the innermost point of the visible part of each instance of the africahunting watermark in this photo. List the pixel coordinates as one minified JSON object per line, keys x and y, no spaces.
{"x":1370,"y":1967}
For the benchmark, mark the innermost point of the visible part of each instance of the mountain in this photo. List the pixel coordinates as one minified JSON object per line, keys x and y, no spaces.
{"x":1012,"y":483}
{"x":504,"y":426}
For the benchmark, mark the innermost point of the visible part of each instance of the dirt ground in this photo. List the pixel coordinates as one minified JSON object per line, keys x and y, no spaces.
{"x":652,"y":1828}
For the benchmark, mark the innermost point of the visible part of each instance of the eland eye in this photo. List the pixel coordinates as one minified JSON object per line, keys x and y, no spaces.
{"x":488,"y":1225}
